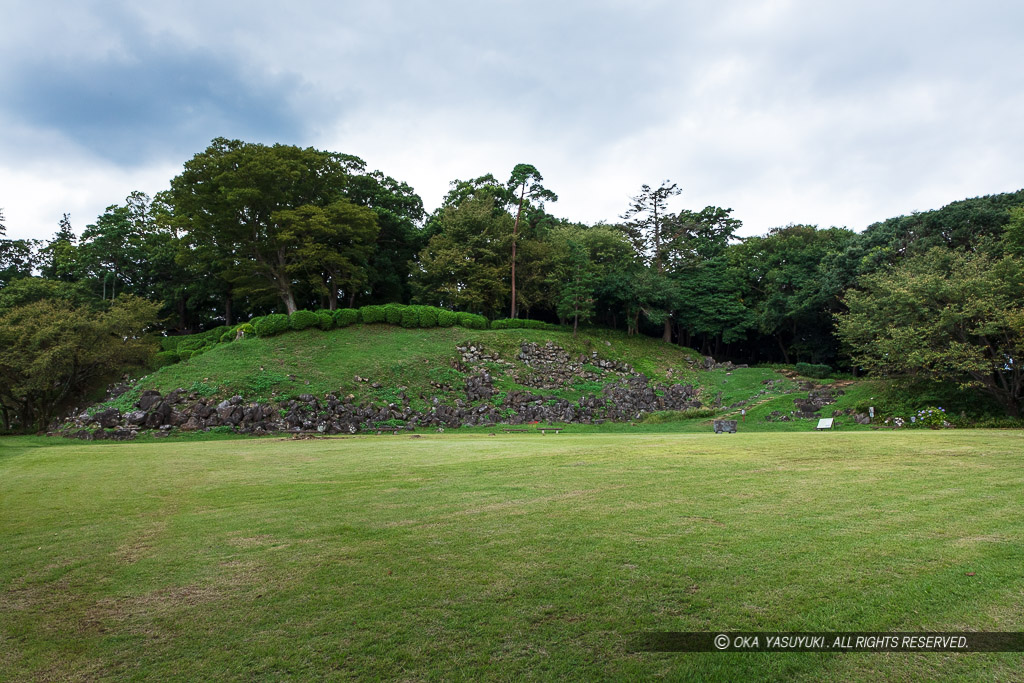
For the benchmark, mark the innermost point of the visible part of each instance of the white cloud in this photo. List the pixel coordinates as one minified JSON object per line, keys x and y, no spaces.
{"x":785,"y":110}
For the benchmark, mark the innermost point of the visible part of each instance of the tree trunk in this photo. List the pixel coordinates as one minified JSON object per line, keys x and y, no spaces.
{"x":785,"y":354}
{"x":515,"y":233}
{"x":227,"y":310}
{"x":666,"y":335}
{"x":575,"y":323}
{"x":289,"y":301}
{"x":332,"y":302}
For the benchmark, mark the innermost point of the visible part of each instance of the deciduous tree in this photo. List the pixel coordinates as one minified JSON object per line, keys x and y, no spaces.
{"x":945,"y":315}
{"x":52,"y":352}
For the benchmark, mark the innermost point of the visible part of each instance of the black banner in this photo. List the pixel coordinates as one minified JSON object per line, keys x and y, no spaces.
{"x":849,"y":641}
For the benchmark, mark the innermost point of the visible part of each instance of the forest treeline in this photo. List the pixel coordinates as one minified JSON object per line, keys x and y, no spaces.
{"x":248,"y":230}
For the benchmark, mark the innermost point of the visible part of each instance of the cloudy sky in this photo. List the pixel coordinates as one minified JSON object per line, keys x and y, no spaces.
{"x":787,"y":111}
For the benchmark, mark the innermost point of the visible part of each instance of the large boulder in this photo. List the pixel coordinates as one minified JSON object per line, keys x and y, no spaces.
{"x":148,"y":399}
{"x":108,"y":418}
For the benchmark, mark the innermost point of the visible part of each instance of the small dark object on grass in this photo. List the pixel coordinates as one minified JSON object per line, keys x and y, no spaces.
{"x":724,"y":426}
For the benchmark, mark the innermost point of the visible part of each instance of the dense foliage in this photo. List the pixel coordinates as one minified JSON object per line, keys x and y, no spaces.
{"x":52,"y":351}
{"x":287,"y":238}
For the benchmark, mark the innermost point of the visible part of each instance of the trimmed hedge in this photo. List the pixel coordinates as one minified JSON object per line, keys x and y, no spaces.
{"x":393,"y":313}
{"x":170,"y":343}
{"x":164,"y":358}
{"x":813,"y":370}
{"x":428,"y":316}
{"x":272,"y":324}
{"x":372,"y":314}
{"x":521,"y":324}
{"x":300,"y":320}
{"x":343,"y":317}
{"x":410,"y":317}
{"x":472,"y":321}
{"x":325,"y":319}
{"x":190,"y":343}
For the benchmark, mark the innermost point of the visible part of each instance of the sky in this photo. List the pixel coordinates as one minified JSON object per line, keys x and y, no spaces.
{"x":787,"y":111}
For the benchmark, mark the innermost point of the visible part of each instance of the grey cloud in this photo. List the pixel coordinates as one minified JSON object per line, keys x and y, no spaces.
{"x":157,"y":97}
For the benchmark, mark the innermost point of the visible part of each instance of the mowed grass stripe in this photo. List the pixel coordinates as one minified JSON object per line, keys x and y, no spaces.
{"x":512,"y":556}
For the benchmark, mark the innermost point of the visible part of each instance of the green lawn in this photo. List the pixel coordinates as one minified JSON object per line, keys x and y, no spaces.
{"x":504,"y":557}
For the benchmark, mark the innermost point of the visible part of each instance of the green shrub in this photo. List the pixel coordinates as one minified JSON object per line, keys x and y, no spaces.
{"x":164,"y":358}
{"x":813,"y":370}
{"x":447,"y":318}
{"x":214,"y":334}
{"x":300,"y":320}
{"x":471,"y":321}
{"x":427,"y":316}
{"x":253,"y":321}
{"x":170,"y":343}
{"x":372,"y":314}
{"x":246,"y":329}
{"x":521,"y":324}
{"x":325,"y":319}
{"x":932,"y":417}
{"x":184,"y":355}
{"x":190,"y":343}
{"x":343,"y":317}
{"x":410,"y":317}
{"x":228,"y":336}
{"x":393,"y":313}
{"x":272,"y":324}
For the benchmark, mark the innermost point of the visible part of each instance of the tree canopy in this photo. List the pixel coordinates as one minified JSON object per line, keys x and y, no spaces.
{"x":247,"y":230}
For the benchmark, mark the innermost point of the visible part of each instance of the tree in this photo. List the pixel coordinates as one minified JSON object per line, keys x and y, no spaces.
{"x":18,"y":258}
{"x":27,"y":290}
{"x":790,"y":297}
{"x":59,"y":258}
{"x":575,"y":285}
{"x":945,"y":315}
{"x":1013,"y":235}
{"x":524,"y":181}
{"x":332,"y":245}
{"x":463,"y":265}
{"x":231,"y":200}
{"x":52,"y":353}
{"x":645,"y":227}
{"x":400,"y":237}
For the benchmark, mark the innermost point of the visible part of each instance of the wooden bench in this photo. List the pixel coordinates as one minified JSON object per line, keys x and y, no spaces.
{"x":542,"y":430}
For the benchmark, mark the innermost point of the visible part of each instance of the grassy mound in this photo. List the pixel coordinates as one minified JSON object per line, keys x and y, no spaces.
{"x":377,"y":363}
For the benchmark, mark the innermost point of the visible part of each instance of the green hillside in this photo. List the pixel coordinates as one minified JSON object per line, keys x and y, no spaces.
{"x":313,"y":361}
{"x":395,"y":377}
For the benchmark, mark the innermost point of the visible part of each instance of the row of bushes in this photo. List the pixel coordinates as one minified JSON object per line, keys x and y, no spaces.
{"x":175,"y":349}
{"x":391,"y":314}
{"x":522,"y":324}
{"x":813,"y":370}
